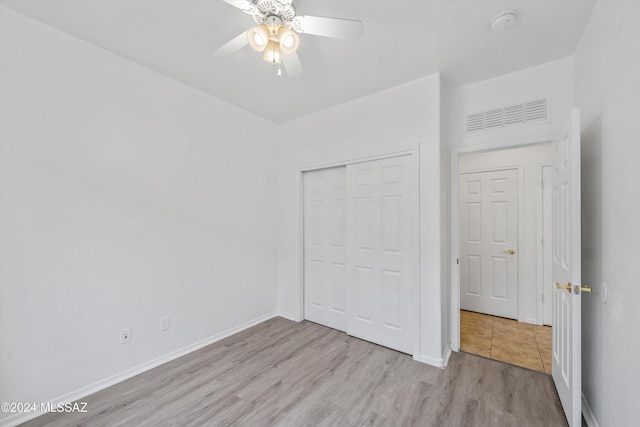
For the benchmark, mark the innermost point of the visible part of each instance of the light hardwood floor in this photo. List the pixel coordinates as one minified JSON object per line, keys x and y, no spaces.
{"x":302,"y":374}
{"x":507,"y":340}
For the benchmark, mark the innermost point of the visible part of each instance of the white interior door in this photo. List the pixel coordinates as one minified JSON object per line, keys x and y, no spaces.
{"x":325,"y":293}
{"x":566,"y":360}
{"x":382,"y":251}
{"x":489,"y":242}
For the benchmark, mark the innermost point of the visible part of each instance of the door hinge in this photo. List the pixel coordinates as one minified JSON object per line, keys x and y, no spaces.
{"x":457,"y":260}
{"x":542,"y":183}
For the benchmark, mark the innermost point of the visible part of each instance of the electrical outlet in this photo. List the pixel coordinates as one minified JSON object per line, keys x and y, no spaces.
{"x":165,"y":324}
{"x":125,"y":336}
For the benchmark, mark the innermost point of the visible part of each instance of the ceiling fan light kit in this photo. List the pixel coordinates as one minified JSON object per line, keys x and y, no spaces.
{"x":272,"y":53}
{"x":274,"y":39}
{"x":289,"y":40}
{"x":277,"y":28}
{"x":258,"y":37}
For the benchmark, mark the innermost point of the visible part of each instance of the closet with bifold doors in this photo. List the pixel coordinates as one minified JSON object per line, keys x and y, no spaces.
{"x":361,"y":248}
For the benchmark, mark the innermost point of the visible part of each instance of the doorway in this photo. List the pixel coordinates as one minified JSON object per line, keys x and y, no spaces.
{"x":504,"y":216}
{"x":489,"y":255}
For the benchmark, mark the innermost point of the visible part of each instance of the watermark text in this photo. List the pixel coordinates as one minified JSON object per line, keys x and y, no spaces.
{"x":23,"y":407}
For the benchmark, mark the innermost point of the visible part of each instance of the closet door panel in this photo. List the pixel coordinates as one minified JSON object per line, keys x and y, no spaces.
{"x":381,"y":253}
{"x":325,"y":247}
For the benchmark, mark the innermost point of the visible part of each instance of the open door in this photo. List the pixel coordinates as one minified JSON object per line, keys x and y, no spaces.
{"x":566,"y":360}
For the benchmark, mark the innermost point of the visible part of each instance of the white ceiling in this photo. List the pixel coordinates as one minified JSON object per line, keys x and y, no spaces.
{"x":403,"y":40}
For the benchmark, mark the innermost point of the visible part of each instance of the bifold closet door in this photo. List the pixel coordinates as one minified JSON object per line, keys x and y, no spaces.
{"x":325,"y":293}
{"x":381,"y":251}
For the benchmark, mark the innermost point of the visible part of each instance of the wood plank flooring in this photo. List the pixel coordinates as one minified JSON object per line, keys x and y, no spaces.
{"x":507,"y":340}
{"x":282,"y":373}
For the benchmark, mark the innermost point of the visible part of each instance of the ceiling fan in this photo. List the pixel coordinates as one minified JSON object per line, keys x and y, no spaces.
{"x":277,"y":28}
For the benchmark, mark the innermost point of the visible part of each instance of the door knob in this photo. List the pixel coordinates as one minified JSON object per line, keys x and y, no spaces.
{"x":510,"y":251}
{"x":569,"y":287}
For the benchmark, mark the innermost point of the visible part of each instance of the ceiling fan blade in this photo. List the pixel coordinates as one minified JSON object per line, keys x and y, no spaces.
{"x":347,"y":29}
{"x":231,"y":46}
{"x":292,"y":64}
{"x":244,"y":5}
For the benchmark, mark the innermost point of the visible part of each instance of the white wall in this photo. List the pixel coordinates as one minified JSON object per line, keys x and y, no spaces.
{"x":553,"y":80}
{"x":125,"y":197}
{"x":399,"y":117}
{"x":607,"y":87}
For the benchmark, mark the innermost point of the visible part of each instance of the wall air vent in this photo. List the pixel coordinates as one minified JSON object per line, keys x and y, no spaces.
{"x":513,"y":115}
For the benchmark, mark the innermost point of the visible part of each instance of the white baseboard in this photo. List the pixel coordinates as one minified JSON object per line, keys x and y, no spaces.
{"x":288,"y":316}
{"x":441,"y":362}
{"x":587,"y":413}
{"x":78,"y":394}
{"x":437,"y":362}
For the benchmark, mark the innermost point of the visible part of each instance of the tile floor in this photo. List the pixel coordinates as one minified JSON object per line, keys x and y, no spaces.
{"x":507,"y":340}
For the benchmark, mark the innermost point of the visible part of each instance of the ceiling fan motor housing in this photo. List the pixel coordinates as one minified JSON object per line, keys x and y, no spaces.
{"x":274,"y":23}
{"x":265,"y":9}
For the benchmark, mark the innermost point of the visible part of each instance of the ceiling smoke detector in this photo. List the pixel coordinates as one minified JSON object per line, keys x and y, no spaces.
{"x":503,"y":20}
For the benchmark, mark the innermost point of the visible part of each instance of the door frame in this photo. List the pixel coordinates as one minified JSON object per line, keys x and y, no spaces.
{"x":359,"y":157}
{"x":545,"y":289}
{"x":454,"y":201}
